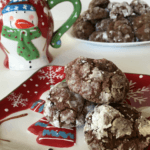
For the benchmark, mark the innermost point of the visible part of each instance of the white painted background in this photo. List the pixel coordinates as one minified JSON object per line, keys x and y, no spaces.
{"x":63,"y":10}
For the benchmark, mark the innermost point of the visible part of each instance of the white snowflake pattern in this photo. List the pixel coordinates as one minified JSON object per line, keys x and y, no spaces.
{"x":59,"y":69}
{"x":17,"y":100}
{"x":138,"y":95}
{"x":51,"y":74}
{"x":8,"y":8}
{"x":16,"y":8}
{"x":24,"y":6}
{"x":36,"y":1}
{"x":31,"y":8}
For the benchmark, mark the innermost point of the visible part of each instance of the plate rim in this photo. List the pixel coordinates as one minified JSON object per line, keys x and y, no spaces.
{"x":106,"y":44}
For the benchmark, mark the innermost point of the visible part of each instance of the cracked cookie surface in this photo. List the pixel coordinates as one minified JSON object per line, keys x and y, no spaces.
{"x":82,"y":29}
{"x":103,"y":25}
{"x":99,"y":36}
{"x":99,"y":81}
{"x":119,"y":9}
{"x":64,"y":108}
{"x":95,"y":13}
{"x":116,"y":127}
{"x":140,"y":7}
{"x":141,"y":26}
{"x":99,"y":3}
{"x":120,"y":31}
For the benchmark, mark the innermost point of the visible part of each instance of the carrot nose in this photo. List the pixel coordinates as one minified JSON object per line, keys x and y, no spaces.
{"x":23,"y":24}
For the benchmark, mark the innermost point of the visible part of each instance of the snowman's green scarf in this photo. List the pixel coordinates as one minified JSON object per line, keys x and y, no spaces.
{"x":25,"y":47}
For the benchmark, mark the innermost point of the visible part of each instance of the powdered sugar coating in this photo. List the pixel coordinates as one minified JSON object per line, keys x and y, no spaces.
{"x":111,"y":5}
{"x":140,"y":7}
{"x":82,"y":29}
{"x":143,"y":126}
{"x":99,"y":122}
{"x":103,"y":25}
{"x":120,"y":31}
{"x":116,"y":127}
{"x":95,"y":13}
{"x":120,"y":9}
{"x":65,"y":108}
{"x":99,"y":36}
{"x":98,"y":3}
{"x":141,"y":26}
{"x":98,"y":80}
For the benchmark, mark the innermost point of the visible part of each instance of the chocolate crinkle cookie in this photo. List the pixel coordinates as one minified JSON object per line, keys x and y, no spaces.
{"x":96,"y":80}
{"x":99,"y":3}
{"x":131,"y":18}
{"x":94,"y":21}
{"x":64,"y":108}
{"x":99,"y":36}
{"x":120,"y":9}
{"x":111,"y":5}
{"x":103,"y":25}
{"x":116,"y":127}
{"x":95,"y":13}
{"x":120,"y":31}
{"x":141,"y":26}
{"x":82,"y":29}
{"x":140,"y":7}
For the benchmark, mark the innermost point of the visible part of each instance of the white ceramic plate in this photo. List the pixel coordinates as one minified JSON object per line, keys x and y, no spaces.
{"x":129,"y":44}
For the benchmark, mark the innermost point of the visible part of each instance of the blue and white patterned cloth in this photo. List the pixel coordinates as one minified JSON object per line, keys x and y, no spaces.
{"x":18,"y":7}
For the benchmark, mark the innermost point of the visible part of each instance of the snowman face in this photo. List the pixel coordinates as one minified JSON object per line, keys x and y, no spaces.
{"x":20,"y":19}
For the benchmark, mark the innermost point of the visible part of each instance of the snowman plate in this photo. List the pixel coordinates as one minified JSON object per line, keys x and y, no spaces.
{"x":24,"y":127}
{"x":93,"y":43}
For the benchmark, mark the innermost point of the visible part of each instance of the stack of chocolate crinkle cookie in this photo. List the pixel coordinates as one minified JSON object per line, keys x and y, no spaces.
{"x":106,"y":21}
{"x":93,"y":95}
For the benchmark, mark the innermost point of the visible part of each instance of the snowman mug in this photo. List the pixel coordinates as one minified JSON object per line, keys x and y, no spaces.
{"x":26,"y":30}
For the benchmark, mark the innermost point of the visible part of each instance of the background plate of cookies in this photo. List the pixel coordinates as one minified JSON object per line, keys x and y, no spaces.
{"x":95,"y":43}
{"x":109,"y":23}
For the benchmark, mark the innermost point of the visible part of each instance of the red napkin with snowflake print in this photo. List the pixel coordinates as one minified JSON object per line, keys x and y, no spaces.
{"x":31,"y":90}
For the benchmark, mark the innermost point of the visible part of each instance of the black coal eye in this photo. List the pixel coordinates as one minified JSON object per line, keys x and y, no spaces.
{"x":24,"y":11}
{"x":16,"y":11}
